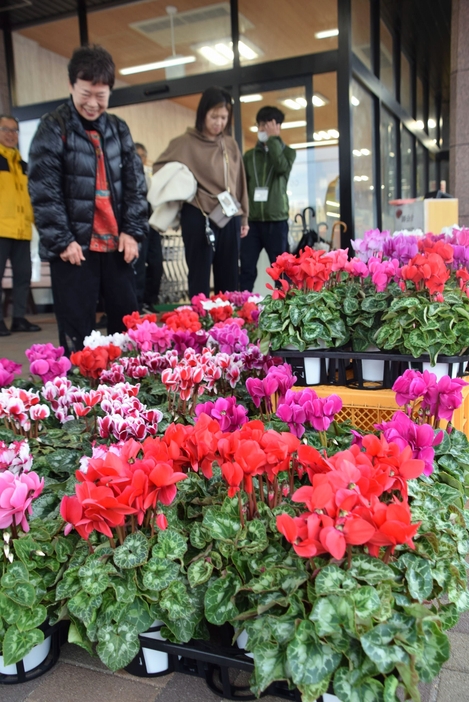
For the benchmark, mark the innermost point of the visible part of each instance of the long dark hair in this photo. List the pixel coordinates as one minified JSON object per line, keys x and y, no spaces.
{"x":213,"y":97}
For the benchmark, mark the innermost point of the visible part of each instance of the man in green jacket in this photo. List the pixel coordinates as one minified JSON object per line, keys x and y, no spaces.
{"x":268,"y":167}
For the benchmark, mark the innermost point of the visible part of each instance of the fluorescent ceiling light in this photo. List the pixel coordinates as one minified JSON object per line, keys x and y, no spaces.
{"x":294,"y":125}
{"x":356,"y":152}
{"x":332,"y":203}
{"x":292,"y":104}
{"x":246,"y":51}
{"x":225,"y":50}
{"x":253,"y":129}
{"x":251,"y":98}
{"x":323,"y":134}
{"x":319,"y":100}
{"x":174,"y":61}
{"x":301,"y":101}
{"x":311,"y":144}
{"x":333,"y":214}
{"x":213,"y":56}
{"x":432,"y":123}
{"x":355,"y":101}
{"x":327,"y":34}
{"x":333,"y":133}
{"x":365,"y":152}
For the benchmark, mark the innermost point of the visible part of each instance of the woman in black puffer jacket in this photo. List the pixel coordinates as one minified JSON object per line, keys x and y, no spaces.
{"x":88,"y":193}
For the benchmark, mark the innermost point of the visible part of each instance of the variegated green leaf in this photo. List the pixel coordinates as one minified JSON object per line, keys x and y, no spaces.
{"x":17,"y":644}
{"x":133,"y":552}
{"x":118,"y":645}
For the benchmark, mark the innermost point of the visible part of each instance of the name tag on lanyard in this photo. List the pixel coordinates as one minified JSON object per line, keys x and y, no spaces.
{"x":261,"y":194}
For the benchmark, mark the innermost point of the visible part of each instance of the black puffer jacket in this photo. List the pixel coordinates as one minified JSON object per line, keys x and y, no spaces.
{"x":62,"y":180}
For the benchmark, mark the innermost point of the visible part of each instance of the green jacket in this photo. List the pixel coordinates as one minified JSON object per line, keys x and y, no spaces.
{"x":278,"y":161}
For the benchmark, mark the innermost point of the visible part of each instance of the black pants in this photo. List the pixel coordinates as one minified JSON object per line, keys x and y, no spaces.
{"x":76,"y":291}
{"x":19,"y":253}
{"x":271,"y":236}
{"x":154,"y":270}
{"x":200,"y":255}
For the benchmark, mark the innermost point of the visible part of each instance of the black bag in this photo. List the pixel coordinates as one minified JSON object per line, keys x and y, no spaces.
{"x":309,"y":238}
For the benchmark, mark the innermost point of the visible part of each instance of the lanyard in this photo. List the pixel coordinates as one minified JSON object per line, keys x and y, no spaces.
{"x":255,"y":170}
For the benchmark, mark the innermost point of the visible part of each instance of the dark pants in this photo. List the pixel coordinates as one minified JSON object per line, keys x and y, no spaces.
{"x":19,"y":253}
{"x":271,"y":236}
{"x":76,"y":290}
{"x":200,"y":255}
{"x":154,"y":270}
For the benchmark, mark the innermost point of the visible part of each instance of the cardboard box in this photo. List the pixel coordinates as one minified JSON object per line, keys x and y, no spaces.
{"x":430,"y":215}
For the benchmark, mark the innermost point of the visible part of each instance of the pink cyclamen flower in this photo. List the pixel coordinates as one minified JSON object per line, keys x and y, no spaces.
{"x":446,"y":396}
{"x":412,"y":385}
{"x":8,"y":370}
{"x":401,"y":430}
{"x":16,"y":494}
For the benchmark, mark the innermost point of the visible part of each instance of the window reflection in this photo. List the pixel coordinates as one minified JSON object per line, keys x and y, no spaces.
{"x":279,"y":30}
{"x":388,"y":168}
{"x":406,"y":84}
{"x":386,"y":60}
{"x":407,"y":163}
{"x":361,"y":45}
{"x":363,"y":179}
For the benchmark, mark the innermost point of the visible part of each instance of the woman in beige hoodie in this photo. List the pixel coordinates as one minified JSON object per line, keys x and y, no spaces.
{"x":215,"y":160}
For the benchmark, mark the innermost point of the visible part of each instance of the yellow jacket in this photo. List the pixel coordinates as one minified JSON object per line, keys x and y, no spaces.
{"x":16,"y":212}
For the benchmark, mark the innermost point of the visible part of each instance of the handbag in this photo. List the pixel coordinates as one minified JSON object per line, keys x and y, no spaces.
{"x":219,"y":218}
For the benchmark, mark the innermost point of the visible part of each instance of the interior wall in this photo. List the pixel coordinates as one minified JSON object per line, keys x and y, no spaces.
{"x":41,"y":75}
{"x":4,"y":92}
{"x":154,"y":124}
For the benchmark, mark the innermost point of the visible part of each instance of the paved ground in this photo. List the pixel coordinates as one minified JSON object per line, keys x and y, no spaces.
{"x":78,"y":677}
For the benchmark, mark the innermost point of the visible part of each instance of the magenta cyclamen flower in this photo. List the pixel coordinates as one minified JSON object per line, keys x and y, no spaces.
{"x":8,"y":370}
{"x":412,"y":385}
{"x":305,"y":407}
{"x":443,"y":398}
{"x":261,"y":389}
{"x":401,"y":430}
{"x":47,"y":361}
{"x":284,"y":377}
{"x":183,"y":340}
{"x":229,"y":415}
{"x":16,"y":494}
{"x":230,"y":338}
{"x":402,"y":247}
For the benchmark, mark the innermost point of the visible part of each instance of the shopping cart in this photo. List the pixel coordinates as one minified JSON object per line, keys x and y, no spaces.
{"x":174,"y":286}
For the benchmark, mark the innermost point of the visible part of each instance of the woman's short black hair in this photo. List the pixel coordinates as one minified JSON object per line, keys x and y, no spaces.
{"x":268,"y":113}
{"x":92,"y":63}
{"x":214,"y":97}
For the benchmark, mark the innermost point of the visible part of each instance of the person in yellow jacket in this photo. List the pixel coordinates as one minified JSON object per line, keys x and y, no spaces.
{"x":16,"y":218}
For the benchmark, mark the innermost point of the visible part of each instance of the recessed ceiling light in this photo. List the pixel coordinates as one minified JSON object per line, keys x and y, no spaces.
{"x":355,"y":101}
{"x":327,"y":34}
{"x":333,"y":133}
{"x":432,"y":123}
{"x":323,"y":134}
{"x":365,"y":152}
{"x":251,"y":98}
{"x":220,"y":52}
{"x":246,"y":51}
{"x":225,"y":50}
{"x":419,"y":124}
{"x":175,"y":61}
{"x":356,"y":153}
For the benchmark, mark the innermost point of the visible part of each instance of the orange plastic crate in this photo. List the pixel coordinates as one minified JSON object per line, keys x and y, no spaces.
{"x":365,"y":408}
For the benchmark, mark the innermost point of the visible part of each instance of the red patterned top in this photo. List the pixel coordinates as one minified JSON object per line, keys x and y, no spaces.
{"x":105,"y":237}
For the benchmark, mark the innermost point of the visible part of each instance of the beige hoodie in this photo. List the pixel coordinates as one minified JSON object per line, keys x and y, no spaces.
{"x":204,"y":158}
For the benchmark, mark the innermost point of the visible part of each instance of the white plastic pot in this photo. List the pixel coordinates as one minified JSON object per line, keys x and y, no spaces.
{"x":35,"y":657}
{"x":241,"y":642}
{"x":155,"y":661}
{"x":372,"y":370}
{"x":441,"y":369}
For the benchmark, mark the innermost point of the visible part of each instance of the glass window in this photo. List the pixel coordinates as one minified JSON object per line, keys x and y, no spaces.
{"x":406,"y":84}
{"x":388,"y":167}
{"x":406,"y":164}
{"x":432,"y":117}
{"x":325,"y":157}
{"x":41,"y":55}
{"x":386,"y":62}
{"x":421,"y":174}
{"x":172,"y":117}
{"x":150,"y":41}
{"x":269,"y":32}
{"x":432,"y":175}
{"x":361,"y":43}
{"x":363,"y":179}
{"x":419,"y":115}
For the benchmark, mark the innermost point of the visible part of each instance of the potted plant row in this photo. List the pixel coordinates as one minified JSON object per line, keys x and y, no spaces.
{"x":400,"y":295}
{"x":340,"y":556}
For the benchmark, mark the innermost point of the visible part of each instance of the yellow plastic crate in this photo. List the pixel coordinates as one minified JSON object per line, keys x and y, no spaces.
{"x":365,"y":408}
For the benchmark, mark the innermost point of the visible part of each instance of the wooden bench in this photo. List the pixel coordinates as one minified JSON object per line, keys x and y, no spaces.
{"x":7,"y":286}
